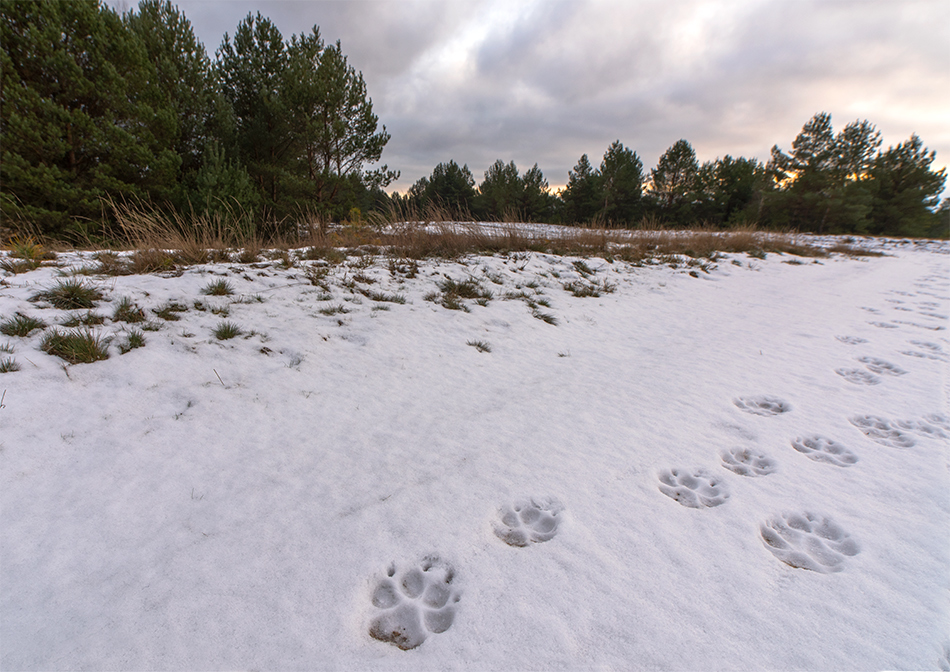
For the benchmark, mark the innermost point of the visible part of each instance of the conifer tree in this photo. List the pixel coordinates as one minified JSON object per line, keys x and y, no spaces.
{"x":674,"y":181}
{"x":582,"y":194}
{"x":75,"y":121}
{"x":621,"y":177}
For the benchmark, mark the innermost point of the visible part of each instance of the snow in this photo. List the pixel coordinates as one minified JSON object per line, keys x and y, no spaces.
{"x":744,"y":470}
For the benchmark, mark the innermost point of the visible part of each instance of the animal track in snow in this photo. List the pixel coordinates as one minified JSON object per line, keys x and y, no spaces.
{"x":695,"y":488}
{"x":884,"y":325}
{"x":921,"y":326}
{"x":882,"y":431}
{"x":858,"y":376}
{"x":527,"y":521}
{"x":414,"y":603}
{"x":933,"y":426}
{"x":762,"y":405}
{"x":929,"y":347}
{"x":808,"y":541}
{"x":822,"y":449}
{"x":747,"y":462}
{"x":880,"y":366}
{"x":922,"y":355}
{"x":851,"y":340}
{"x":941,"y":421}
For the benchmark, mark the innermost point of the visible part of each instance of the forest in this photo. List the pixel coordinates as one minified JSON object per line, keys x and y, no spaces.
{"x":100,"y":109}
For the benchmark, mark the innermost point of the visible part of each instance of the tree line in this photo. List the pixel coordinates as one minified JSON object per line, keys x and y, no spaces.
{"x":99,"y":107}
{"x":826,"y":183}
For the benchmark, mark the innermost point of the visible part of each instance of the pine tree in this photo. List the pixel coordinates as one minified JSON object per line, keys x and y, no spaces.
{"x":251,"y":73}
{"x":334,"y":117}
{"x":621,"y":174}
{"x":905,"y":191}
{"x":674,"y":182}
{"x":177,"y":86}
{"x":500,"y":194}
{"x":582,"y":194}
{"x":75,"y":121}
{"x":537,"y":202}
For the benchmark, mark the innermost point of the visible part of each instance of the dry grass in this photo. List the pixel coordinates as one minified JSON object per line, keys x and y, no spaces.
{"x":166,"y":241}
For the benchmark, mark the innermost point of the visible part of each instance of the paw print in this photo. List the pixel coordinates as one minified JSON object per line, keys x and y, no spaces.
{"x":529,"y":521}
{"x":414,"y":603}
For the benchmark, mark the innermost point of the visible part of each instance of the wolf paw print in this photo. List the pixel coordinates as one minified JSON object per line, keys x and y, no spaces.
{"x":822,"y":449}
{"x":414,"y":603}
{"x":528,"y":521}
{"x":808,"y":541}
{"x":695,"y":488}
{"x":762,"y":405}
{"x":747,"y":462}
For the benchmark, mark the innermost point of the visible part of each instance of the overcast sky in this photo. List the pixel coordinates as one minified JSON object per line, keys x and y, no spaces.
{"x":544,"y":81}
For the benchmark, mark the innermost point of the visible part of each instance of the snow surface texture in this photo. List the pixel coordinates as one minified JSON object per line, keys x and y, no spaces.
{"x":349,"y":485}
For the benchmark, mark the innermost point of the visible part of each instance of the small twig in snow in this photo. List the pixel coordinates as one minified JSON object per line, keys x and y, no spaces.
{"x":219,"y":378}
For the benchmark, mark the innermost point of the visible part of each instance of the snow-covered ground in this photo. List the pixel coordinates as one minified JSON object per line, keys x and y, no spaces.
{"x":747,"y":469}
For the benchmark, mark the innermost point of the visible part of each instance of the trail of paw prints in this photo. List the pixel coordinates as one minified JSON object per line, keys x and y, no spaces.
{"x":880,"y":366}
{"x":858,"y":376}
{"x":414,"y":603}
{"x":762,"y":405}
{"x":822,"y":449}
{"x":882,"y":431}
{"x":695,"y":488}
{"x":852,"y":340}
{"x":747,"y":462}
{"x":808,"y":541}
{"x":529,"y":521}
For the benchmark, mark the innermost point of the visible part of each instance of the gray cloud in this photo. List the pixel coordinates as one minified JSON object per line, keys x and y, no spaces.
{"x":547,"y":80}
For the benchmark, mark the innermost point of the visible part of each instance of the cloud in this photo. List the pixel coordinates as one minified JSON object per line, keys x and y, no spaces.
{"x":548,"y":80}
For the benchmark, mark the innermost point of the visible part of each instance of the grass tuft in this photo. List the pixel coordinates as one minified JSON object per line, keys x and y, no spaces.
{"x":227,"y":330}
{"x":593,"y":288}
{"x":128,"y":311}
{"x":481,"y":346}
{"x":21,"y":325}
{"x":19,"y":265}
{"x":69,"y":295}
{"x":383,"y":297}
{"x":544,"y":317}
{"x":134,"y":339}
{"x":218,"y":288}
{"x":76,"y":347}
{"x":90,"y":319}
{"x":8,"y":365}
{"x":168,"y":311}
{"x":333,"y":310}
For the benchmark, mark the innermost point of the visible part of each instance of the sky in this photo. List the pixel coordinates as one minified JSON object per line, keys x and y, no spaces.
{"x":545,"y":81}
